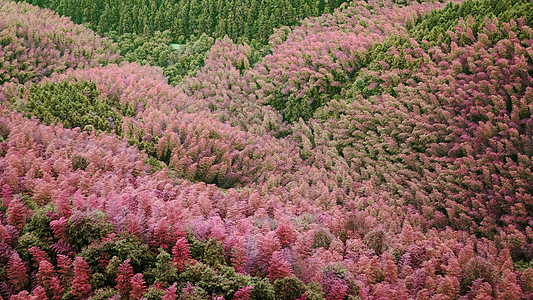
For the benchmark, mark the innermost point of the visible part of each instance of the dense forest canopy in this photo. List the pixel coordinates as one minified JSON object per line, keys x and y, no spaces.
{"x":365,"y":150}
{"x":144,"y":29}
{"x":243,"y":19}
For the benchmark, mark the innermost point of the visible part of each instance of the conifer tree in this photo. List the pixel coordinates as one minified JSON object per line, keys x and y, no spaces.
{"x":243,"y":293}
{"x":17,"y":272}
{"x":170,"y":292}
{"x":81,"y":287}
{"x":16,"y":214}
{"x":45,"y":274}
{"x":138,"y":286}
{"x":181,"y":253}
{"x":279,"y":267}
{"x":124,"y":276}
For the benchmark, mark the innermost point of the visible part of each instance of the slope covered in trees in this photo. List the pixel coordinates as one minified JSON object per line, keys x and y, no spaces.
{"x":35,"y":44}
{"x":144,"y":29}
{"x":380,"y":151}
{"x":250,"y":19}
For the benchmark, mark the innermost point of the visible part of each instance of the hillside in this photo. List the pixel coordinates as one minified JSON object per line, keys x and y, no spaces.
{"x":144,"y":30}
{"x":248,"y":19}
{"x":381,"y":150}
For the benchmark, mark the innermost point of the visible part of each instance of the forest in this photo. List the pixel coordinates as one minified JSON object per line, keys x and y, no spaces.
{"x":279,"y":150}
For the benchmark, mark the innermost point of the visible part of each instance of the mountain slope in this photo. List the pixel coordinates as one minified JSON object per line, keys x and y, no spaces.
{"x":400,"y":167}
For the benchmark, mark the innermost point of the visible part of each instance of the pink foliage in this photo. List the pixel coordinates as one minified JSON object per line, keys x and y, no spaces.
{"x":138,"y":286}
{"x":286,"y":232}
{"x":57,"y":288}
{"x":38,"y":293}
{"x":278,"y":267}
{"x":181,"y":253}
{"x":17,"y":272}
{"x":38,"y":35}
{"x":16,"y":214}
{"x":45,"y":274}
{"x":7,"y":195}
{"x":238,"y":255}
{"x":38,"y":255}
{"x":243,"y":293}
{"x":81,"y":286}
{"x":60,"y":228}
{"x":124,"y":279}
{"x":170,"y":293}
{"x":424,"y":194}
{"x":161,"y":237}
{"x":64,"y":264}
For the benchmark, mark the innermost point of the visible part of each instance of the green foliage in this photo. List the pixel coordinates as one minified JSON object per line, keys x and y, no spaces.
{"x":155,"y":50}
{"x":154,"y":293}
{"x":189,"y":58}
{"x":111,"y":269}
{"x":375,"y":239}
{"x":224,"y":281}
{"x":27,"y":241}
{"x":289,"y":288}
{"x":29,"y":202}
{"x":39,"y":226}
{"x":367,"y":81}
{"x":155,"y":164}
{"x":478,"y":267}
{"x":214,"y":253}
{"x":295,"y":108}
{"x":145,"y":49}
{"x":522,"y":265}
{"x":104,"y":294}
{"x":433,"y":26}
{"x":117,"y":251}
{"x":251,"y":19}
{"x":322,"y":238}
{"x":197,"y":248}
{"x":73,"y":104}
{"x":98,"y":281}
{"x":238,"y":280}
{"x":262,"y":290}
{"x":164,"y":271}
{"x":79,"y":162}
{"x":314,"y":291}
{"x":208,"y":279}
{"x":84,"y":228}
{"x":68,"y":296}
{"x":138,"y":252}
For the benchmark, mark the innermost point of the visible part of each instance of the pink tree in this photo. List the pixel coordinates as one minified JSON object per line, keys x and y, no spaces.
{"x":17,"y":272}
{"x":138,"y":286}
{"x":45,"y":274}
{"x":278,"y":267}
{"x":125,"y":274}
{"x":81,"y":287}
{"x":170,"y":292}
{"x":243,"y":293}
{"x":181,"y":253}
{"x":17,"y":213}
